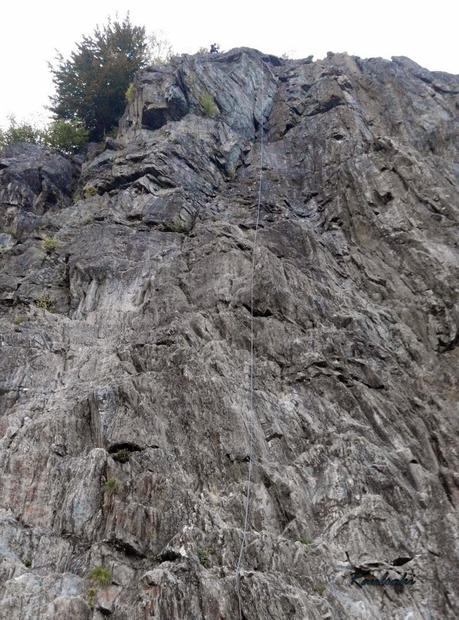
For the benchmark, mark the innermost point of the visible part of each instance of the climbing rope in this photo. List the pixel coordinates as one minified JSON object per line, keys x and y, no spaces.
{"x":252,"y":362}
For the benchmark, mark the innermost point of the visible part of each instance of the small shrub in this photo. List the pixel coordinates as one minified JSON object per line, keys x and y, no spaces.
{"x":204,"y":557}
{"x":44,"y":302}
{"x":19,"y":319}
{"x":101,"y":576}
{"x":66,"y":136}
{"x":110,"y":485}
{"x":305,"y":541}
{"x":122,"y":456}
{"x":91,"y":596}
{"x":177,"y":225}
{"x":49,"y":244}
{"x":27,"y":563}
{"x":19,"y":132}
{"x":130,"y":93}
{"x":89,"y":191}
{"x":319,"y":588}
{"x":208,"y":105}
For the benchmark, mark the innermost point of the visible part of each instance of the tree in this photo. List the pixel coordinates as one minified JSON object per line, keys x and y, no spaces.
{"x":18,"y":132}
{"x":91,"y":84}
{"x":159,"y":49}
{"x":65,"y":136}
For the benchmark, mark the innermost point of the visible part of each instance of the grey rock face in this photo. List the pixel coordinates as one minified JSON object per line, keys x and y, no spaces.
{"x":126,"y":347}
{"x":32,"y":180}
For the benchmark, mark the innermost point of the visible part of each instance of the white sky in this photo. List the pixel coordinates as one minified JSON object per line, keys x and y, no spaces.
{"x":30,"y":31}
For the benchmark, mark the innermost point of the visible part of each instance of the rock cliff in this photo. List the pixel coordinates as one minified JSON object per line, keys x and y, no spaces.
{"x":125,"y":332}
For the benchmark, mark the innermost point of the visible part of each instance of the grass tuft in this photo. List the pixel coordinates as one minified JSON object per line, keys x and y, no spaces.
{"x":49,"y":244}
{"x":208,"y":105}
{"x":110,"y":485}
{"x":204,"y":556}
{"x":100,"y":575}
{"x":89,"y":191}
{"x":44,"y":302}
{"x":130,"y":93}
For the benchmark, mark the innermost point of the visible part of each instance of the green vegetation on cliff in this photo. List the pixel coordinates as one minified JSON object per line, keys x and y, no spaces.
{"x":91,"y":83}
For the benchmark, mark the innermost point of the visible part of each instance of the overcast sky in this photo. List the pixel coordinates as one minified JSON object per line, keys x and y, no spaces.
{"x":30,"y":31}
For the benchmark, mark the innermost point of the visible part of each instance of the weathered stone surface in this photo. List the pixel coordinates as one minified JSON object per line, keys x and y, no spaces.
{"x":124,"y":402}
{"x":32,"y":180}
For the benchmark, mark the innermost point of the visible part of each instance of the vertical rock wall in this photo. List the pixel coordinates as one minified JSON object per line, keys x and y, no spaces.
{"x":124,"y":399}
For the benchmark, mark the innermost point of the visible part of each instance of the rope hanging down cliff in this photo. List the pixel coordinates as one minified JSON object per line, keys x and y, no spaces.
{"x":252,"y":358}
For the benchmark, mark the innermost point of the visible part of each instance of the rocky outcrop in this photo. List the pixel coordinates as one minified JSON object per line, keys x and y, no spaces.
{"x":125,"y":329}
{"x":32,"y":181}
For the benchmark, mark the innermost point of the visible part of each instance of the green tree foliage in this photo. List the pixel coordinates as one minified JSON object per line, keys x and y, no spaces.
{"x":91,"y":84}
{"x":65,"y":136}
{"x":18,"y":132}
